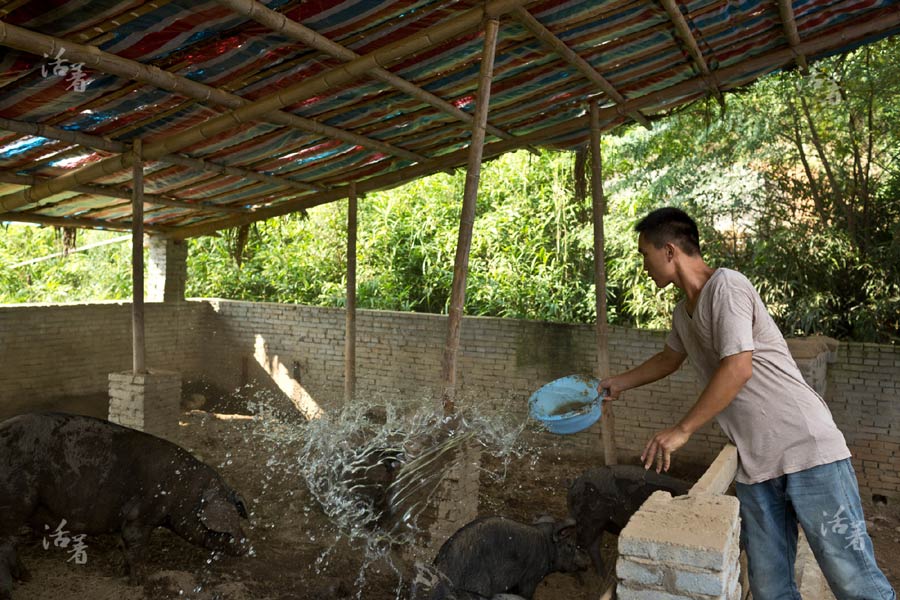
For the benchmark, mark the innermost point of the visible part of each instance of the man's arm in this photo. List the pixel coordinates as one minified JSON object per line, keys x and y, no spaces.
{"x":654,"y":368}
{"x":731,"y":375}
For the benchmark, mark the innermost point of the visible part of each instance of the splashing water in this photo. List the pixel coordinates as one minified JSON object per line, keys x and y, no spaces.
{"x":374,"y":468}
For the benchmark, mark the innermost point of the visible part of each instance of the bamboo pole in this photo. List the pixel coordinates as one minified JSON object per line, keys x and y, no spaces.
{"x":102,"y":143}
{"x":786,"y":12}
{"x":684,"y":32}
{"x":80,"y":222}
{"x":608,"y":421}
{"x":299,"y":91}
{"x":38,"y":43}
{"x":350,"y":336}
{"x":137,"y":261}
{"x":670,"y":97}
{"x":567,"y":54}
{"x":124,"y":194}
{"x":279,"y":23}
{"x":467,"y":216}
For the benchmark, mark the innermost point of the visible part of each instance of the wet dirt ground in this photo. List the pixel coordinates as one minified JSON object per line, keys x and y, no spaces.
{"x":298,"y":552}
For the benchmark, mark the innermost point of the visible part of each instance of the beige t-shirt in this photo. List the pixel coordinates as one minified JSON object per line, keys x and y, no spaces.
{"x":779,"y":424}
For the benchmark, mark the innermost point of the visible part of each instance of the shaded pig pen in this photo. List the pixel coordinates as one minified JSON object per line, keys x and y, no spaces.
{"x":301,"y":552}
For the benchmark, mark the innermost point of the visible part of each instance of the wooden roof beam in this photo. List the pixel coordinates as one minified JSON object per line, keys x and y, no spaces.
{"x":764,"y":62}
{"x":684,"y":32}
{"x":125,"y":194}
{"x":107,"y":145}
{"x":786,"y":10}
{"x":279,"y":23}
{"x":301,"y":90}
{"x":38,"y":43}
{"x":570,"y":56}
{"x":79,"y":222}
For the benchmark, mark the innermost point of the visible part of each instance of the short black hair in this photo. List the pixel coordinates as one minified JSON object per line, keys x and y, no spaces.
{"x":670,"y":224}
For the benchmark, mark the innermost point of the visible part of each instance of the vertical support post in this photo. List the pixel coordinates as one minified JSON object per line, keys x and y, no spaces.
{"x":607,"y":424}
{"x":137,"y":260}
{"x":467,"y":215}
{"x":350,"y":335}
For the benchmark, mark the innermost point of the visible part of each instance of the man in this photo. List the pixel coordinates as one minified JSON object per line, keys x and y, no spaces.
{"x":794,"y":464}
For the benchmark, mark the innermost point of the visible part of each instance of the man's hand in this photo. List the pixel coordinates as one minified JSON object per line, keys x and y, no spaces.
{"x":661,"y":447}
{"x":612,"y":386}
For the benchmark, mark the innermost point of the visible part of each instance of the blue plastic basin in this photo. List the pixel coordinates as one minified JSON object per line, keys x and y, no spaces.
{"x":567,"y":405}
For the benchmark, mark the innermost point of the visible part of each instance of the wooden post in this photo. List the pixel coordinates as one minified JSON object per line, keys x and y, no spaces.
{"x":137,"y":260}
{"x":350,"y":336}
{"x":467,"y":216}
{"x":607,"y":423}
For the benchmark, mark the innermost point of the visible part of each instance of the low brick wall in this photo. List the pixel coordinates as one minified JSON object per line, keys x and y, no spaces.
{"x":49,"y":351}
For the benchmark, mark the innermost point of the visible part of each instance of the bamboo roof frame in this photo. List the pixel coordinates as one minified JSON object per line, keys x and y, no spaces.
{"x":22,"y":39}
{"x":114,"y":147}
{"x":766,"y":62}
{"x":684,"y":32}
{"x":558,"y":46}
{"x":204,"y":202}
{"x":253,"y":110}
{"x":278,"y":22}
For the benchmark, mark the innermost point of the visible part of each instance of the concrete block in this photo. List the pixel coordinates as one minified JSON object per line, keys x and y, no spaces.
{"x":695,"y":531}
{"x":626,"y":592}
{"x":692,"y":582}
{"x":638,"y":571}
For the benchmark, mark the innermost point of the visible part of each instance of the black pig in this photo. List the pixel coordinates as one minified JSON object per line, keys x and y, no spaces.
{"x":104,"y":478}
{"x":494,"y":556}
{"x":604,"y":498}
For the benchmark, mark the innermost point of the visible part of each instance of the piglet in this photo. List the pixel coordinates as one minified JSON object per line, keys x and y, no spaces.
{"x":497,"y":557}
{"x":605,"y":498}
{"x":104,"y":478}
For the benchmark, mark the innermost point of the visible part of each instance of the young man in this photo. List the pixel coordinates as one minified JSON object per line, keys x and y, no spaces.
{"x":794,"y":463}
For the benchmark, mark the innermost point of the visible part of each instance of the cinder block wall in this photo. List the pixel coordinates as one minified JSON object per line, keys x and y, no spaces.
{"x":52,"y":351}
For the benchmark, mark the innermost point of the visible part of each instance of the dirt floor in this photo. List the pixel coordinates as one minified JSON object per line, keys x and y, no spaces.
{"x":298,"y":552}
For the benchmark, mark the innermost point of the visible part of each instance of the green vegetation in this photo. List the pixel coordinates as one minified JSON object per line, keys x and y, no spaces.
{"x":796,"y":182}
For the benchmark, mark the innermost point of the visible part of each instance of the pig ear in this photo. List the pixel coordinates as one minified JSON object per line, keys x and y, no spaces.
{"x":562,"y":527}
{"x":236,"y":499}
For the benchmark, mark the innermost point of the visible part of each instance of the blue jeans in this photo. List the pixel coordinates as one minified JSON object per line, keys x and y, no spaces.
{"x":825,"y":501}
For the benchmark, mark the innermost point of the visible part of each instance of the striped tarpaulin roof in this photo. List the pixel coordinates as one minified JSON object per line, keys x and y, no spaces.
{"x":360,"y":128}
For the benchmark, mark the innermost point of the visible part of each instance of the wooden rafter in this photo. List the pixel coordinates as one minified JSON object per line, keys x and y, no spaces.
{"x":38,"y":43}
{"x":674,"y":95}
{"x":570,"y":56}
{"x":112,"y":146}
{"x":786,"y":10}
{"x":254,"y":110}
{"x":80,"y":222}
{"x":125,"y":194}
{"x":279,"y":23}
{"x":684,"y":32}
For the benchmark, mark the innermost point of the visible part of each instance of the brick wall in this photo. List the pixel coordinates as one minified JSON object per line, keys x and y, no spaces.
{"x":53,"y":351}
{"x":502,"y":361}
{"x":864,"y":396}
{"x":71,"y":349}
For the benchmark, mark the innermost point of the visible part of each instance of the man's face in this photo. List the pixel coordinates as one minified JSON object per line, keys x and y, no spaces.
{"x":657,"y":261}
